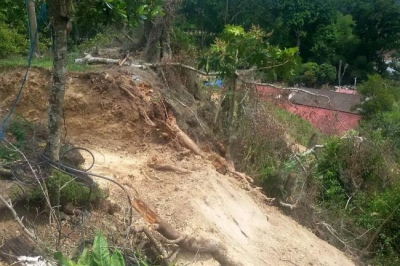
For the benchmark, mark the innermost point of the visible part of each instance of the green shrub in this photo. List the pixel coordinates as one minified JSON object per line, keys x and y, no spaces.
{"x":361,"y":192}
{"x":11,"y":42}
{"x":98,"y":256}
{"x":19,"y":128}
{"x":71,"y":191}
{"x":312,"y":74}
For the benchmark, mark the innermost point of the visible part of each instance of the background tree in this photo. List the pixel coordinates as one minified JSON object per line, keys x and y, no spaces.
{"x":378,"y":28}
{"x":157,"y":33}
{"x":60,"y":15}
{"x":237,"y":50}
{"x":379,"y":96}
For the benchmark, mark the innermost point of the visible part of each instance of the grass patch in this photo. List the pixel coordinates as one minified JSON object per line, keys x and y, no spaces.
{"x":44,"y":62}
{"x":63,"y":189}
{"x":298,"y":128}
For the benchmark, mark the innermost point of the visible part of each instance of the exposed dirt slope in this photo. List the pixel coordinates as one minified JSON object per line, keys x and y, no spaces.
{"x":102,"y":118}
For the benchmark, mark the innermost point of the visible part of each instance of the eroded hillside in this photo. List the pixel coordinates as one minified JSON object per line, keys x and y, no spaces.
{"x":110,"y":113}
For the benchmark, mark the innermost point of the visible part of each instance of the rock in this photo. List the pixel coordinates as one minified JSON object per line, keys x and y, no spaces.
{"x":64,"y":217}
{"x":68,"y":208}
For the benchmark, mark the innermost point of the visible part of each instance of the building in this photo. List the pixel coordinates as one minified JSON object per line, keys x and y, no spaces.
{"x":329,"y":111}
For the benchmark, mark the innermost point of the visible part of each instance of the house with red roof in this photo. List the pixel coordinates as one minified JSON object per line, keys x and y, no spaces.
{"x":332,"y":112}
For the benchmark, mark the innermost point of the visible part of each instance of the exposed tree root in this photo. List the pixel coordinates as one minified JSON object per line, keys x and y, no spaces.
{"x":188,"y":243}
{"x":173,"y":130}
{"x":5,"y":172}
{"x":167,"y":167}
{"x":28,"y":232}
{"x":287,"y":205}
{"x":231,"y":169}
{"x":141,"y":109}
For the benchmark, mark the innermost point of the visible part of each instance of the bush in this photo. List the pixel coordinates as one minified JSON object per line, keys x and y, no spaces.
{"x":19,"y":128}
{"x":11,"y":42}
{"x":71,"y":192}
{"x":312,"y":74}
{"x":99,"y":256}
{"x":360,"y":193}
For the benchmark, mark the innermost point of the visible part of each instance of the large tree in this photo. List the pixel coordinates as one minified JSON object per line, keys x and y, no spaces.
{"x":237,"y":51}
{"x":378,"y":27}
{"x":60,"y":15}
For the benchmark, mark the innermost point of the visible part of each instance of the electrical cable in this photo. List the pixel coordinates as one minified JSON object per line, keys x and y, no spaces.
{"x":58,"y":165}
{"x":31,"y":52}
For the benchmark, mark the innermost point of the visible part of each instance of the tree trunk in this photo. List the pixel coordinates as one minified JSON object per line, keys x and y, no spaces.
{"x":298,"y":40}
{"x":231,"y":87}
{"x":158,"y":40}
{"x":33,"y":25}
{"x":59,"y":11}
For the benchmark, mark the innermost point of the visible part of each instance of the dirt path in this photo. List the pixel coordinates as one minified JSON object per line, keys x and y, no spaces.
{"x":212,"y":205}
{"x":200,"y":203}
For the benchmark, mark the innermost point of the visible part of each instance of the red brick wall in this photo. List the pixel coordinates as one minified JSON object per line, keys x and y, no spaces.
{"x":327,"y":121}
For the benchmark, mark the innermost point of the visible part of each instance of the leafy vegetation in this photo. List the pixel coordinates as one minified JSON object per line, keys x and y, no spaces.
{"x":352,"y":180}
{"x":359,"y":183}
{"x":312,"y":74}
{"x":98,"y":256}
{"x":379,"y":96}
{"x":19,"y":129}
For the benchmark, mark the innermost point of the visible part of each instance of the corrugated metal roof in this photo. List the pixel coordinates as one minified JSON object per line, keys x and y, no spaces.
{"x":337,"y":101}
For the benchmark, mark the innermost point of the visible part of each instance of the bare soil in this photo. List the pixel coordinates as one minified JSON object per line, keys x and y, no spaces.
{"x":101,"y":117}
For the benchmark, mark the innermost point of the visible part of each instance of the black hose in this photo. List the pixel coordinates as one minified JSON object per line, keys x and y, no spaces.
{"x":75,"y":171}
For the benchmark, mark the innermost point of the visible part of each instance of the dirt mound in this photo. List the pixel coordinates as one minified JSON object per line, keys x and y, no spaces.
{"x":102,"y":117}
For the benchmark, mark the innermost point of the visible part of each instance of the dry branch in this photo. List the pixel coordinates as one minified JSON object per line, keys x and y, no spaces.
{"x":173,"y":130}
{"x":188,"y":243}
{"x":287,"y":205}
{"x":167,"y":167}
{"x":19,"y":221}
{"x":5,"y":172}
{"x":141,"y":109}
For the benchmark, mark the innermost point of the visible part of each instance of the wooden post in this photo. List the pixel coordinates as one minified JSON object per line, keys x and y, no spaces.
{"x":33,"y":25}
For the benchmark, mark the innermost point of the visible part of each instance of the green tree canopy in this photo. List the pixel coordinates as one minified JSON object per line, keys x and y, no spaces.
{"x":379,"y":96}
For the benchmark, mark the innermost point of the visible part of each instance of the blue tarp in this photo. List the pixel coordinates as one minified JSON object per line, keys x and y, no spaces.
{"x":217,"y":82}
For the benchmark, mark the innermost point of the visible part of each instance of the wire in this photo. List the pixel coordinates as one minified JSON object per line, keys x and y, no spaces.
{"x":84,"y":175}
{"x":59,"y":166}
{"x":31,"y":52}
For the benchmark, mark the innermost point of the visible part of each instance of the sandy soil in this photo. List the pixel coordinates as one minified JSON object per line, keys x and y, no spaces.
{"x":102,"y":118}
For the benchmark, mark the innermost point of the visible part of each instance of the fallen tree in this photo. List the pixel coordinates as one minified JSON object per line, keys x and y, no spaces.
{"x":185,"y":242}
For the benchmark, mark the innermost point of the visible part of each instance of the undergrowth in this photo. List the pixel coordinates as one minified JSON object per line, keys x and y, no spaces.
{"x":298,"y":128}
{"x":63,"y":189}
{"x":18,"y":129}
{"x":99,"y":255}
{"x":43,"y":62}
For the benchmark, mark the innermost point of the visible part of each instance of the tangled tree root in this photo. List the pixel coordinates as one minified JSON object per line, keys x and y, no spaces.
{"x":185,"y":242}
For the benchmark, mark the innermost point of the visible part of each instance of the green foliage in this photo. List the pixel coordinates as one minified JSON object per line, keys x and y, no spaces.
{"x":13,"y":15}
{"x":388,"y":123}
{"x":365,"y":171}
{"x":238,"y":49}
{"x":377,"y":26}
{"x":19,"y":128}
{"x":104,"y":39}
{"x":11,"y":41}
{"x":313,"y":74}
{"x":298,"y":128}
{"x":44,"y":62}
{"x":379,"y":96}
{"x":93,"y":16}
{"x":99,"y":256}
{"x":71,"y":191}
{"x":7,"y":155}
{"x":346,"y":42}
